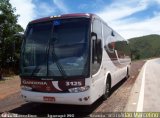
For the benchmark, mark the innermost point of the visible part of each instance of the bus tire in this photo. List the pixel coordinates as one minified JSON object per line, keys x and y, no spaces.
{"x":127,"y":75}
{"x":107,"y":90}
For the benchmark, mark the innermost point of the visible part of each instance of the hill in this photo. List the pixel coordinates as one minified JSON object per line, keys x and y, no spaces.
{"x":145,"y":46}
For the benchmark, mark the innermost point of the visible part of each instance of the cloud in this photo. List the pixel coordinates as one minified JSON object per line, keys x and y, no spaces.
{"x":61,"y":6}
{"x":33,"y":9}
{"x":148,"y":26}
{"x":43,"y":9}
{"x":120,"y":10}
{"x":151,"y":1}
{"x":83,"y":6}
{"x":117,"y":15}
{"x":26,"y":10}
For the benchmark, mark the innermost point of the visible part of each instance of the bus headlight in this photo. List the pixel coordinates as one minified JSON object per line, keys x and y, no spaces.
{"x":78,"y":89}
{"x":27,"y":88}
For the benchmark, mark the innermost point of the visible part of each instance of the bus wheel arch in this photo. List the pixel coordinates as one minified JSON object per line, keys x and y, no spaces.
{"x":107,"y":89}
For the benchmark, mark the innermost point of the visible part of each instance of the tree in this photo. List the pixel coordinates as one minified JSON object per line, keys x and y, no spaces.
{"x":9,"y":44}
{"x":135,"y":54}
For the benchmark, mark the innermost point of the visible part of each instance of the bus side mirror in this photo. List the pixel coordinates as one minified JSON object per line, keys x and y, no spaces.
{"x":19,"y":34}
{"x":93,"y":36}
{"x":99,"y":50}
{"x":94,"y":40}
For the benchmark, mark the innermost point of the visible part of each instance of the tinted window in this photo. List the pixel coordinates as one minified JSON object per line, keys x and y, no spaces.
{"x":97,"y":47}
{"x":71,"y":48}
{"x":115,"y":46}
{"x":97,"y":28}
{"x":34,"y":53}
{"x":56,"y":48}
{"x":109,"y":42}
{"x":123,"y":49}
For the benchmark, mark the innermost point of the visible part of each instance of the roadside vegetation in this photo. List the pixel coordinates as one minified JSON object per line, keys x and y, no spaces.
{"x":9,"y":42}
{"x":145,"y":47}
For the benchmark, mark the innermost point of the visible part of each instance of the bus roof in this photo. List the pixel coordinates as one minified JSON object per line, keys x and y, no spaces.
{"x":76,"y":15}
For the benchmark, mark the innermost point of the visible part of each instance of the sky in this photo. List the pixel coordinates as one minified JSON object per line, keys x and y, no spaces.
{"x":130,"y":18}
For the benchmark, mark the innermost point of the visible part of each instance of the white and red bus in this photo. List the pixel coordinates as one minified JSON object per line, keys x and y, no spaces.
{"x":71,"y":59}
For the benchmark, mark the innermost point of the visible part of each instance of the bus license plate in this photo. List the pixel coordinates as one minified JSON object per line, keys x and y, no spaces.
{"x":48,"y":99}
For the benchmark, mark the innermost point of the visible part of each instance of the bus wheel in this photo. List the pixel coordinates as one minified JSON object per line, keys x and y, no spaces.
{"x":107,"y":90}
{"x":127,"y":75}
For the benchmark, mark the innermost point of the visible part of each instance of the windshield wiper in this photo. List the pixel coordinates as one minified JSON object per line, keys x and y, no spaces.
{"x":34,"y":70}
{"x":55,"y":59}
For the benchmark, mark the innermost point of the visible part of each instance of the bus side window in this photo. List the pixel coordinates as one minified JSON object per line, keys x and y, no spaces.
{"x":96,"y":46}
{"x":122,"y":49}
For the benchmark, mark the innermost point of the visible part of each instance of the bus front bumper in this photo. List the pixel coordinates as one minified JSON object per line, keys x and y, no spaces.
{"x":81,"y":98}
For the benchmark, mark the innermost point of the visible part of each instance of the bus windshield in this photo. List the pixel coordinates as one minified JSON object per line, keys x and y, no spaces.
{"x":56,"y":48}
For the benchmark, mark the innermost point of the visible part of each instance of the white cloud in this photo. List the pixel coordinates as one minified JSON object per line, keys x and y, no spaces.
{"x":43,"y":9}
{"x":29,"y":11}
{"x":61,"y":6}
{"x":130,"y":27}
{"x":158,"y":1}
{"x":121,"y":9}
{"x":149,"y":26}
{"x":26,"y":10}
{"x":83,"y":6}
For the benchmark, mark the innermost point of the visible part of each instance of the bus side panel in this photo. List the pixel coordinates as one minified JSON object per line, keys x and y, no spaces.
{"x":118,"y":53}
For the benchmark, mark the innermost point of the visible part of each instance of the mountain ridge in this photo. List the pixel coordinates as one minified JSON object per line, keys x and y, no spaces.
{"x":145,"y":46}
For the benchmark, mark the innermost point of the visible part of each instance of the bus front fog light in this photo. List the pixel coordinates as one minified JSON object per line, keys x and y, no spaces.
{"x":80,"y":99}
{"x":86,"y":98}
{"x":78,"y":89}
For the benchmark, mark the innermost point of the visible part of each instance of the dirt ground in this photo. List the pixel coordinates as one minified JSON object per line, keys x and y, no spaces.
{"x":9,"y":86}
